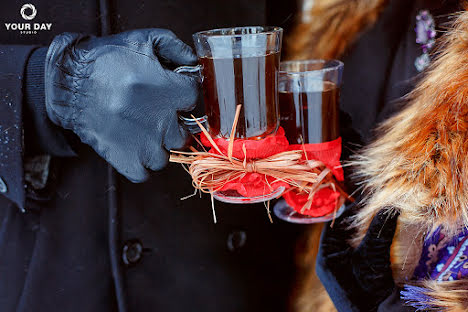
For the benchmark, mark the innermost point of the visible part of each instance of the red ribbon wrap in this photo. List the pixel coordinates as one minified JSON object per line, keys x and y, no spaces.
{"x":252,"y":184}
{"x":255,"y":184}
{"x":325,"y":200}
{"x":256,"y":149}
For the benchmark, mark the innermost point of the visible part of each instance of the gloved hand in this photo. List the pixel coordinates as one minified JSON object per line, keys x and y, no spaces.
{"x":362,"y":275}
{"x":116,"y":96}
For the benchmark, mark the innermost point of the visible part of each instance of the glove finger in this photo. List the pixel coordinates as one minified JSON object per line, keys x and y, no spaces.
{"x":371,"y":260}
{"x":186,"y":93}
{"x":176,"y":136}
{"x":132,"y":170}
{"x":154,"y":156}
{"x":124,"y":160}
{"x":379,"y":236}
{"x":174,"y":50}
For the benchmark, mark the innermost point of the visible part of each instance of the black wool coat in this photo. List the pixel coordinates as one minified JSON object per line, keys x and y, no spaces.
{"x":75,"y":236}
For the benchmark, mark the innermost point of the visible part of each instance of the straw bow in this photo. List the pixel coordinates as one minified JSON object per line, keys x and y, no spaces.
{"x":211,"y":171}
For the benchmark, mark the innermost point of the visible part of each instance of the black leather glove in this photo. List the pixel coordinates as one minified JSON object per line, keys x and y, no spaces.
{"x":116,"y":96}
{"x":357,"y":279}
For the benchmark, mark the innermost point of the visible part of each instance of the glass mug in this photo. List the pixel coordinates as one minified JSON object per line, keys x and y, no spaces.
{"x":309,"y":93}
{"x":238,"y":65}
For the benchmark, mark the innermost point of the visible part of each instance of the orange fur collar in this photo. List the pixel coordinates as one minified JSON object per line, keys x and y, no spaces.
{"x":419,"y":166}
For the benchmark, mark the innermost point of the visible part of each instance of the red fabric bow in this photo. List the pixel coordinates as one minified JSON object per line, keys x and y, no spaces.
{"x":325,"y":200}
{"x":256,"y":149}
{"x":253,"y":184}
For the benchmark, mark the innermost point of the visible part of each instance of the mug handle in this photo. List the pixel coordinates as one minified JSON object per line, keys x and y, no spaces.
{"x":190,"y":124}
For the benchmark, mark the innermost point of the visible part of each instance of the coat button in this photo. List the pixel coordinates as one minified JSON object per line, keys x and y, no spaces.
{"x":3,"y":187}
{"x":236,"y":240}
{"x":132,"y":251}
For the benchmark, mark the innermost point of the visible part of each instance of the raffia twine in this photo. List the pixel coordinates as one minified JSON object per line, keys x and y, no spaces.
{"x":211,"y":171}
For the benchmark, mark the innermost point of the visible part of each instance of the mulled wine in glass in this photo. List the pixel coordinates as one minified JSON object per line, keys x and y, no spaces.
{"x":239,"y":66}
{"x":309,"y":93}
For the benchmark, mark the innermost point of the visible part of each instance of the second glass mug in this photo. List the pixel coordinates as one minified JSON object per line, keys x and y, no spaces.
{"x":309,"y":93}
{"x":238,"y":65}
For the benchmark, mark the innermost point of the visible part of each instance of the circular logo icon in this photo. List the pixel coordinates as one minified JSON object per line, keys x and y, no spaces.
{"x":28,"y":11}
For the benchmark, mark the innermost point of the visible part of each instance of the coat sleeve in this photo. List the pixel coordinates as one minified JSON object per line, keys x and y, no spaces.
{"x":12,"y":66}
{"x":41,"y":136}
{"x":20,"y":106}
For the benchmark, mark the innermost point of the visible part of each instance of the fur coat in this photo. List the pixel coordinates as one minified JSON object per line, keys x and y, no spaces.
{"x":417,"y":166}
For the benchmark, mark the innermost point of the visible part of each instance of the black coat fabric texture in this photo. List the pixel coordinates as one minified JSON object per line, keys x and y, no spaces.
{"x":75,"y":236}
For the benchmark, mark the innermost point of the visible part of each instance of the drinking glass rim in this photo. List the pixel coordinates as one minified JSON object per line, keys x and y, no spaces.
{"x":337,"y":64}
{"x":265,"y":30}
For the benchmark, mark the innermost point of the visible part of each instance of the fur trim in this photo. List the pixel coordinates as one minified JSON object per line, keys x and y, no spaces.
{"x":419,"y":166}
{"x":449,"y":296}
{"x":329,"y":27}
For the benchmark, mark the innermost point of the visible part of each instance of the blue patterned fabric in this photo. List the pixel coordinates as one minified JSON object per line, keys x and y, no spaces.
{"x":443,"y":258}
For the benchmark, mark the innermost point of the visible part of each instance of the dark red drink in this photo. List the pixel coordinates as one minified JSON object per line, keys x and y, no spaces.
{"x":250,"y":81}
{"x":310,"y":116}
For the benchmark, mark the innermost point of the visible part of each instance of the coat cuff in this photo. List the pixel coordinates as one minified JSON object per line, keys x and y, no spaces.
{"x":337,"y":293}
{"x":40,"y":134}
